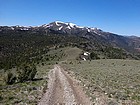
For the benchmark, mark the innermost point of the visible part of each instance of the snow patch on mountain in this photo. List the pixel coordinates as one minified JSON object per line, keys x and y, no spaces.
{"x":12,"y":28}
{"x":72,"y":25}
{"x":68,"y":27}
{"x":46,"y":25}
{"x":58,"y":23}
{"x":60,"y":28}
{"x":88,"y":29}
{"x":79,"y":27}
{"x":92,"y":28}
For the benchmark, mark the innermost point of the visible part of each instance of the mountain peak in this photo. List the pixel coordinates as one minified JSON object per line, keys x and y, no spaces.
{"x":61,"y":27}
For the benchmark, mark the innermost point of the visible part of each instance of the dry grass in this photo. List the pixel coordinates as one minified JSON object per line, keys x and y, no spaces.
{"x":25,"y":93}
{"x":31,"y":91}
{"x":67,"y":53}
{"x":118,"y":79}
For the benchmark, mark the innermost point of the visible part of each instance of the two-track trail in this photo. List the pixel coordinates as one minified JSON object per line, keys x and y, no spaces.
{"x":63,"y":90}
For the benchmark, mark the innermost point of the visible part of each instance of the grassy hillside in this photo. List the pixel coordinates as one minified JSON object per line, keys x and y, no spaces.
{"x":17,"y":47}
{"x":29,"y":92}
{"x":116,"y":79}
{"x":22,"y":53}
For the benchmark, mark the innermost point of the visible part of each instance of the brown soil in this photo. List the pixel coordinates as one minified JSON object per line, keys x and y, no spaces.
{"x":63,"y":90}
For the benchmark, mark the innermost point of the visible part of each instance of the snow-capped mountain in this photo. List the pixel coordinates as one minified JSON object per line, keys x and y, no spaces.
{"x":60,"y":25}
{"x":69,"y":28}
{"x":57,"y":27}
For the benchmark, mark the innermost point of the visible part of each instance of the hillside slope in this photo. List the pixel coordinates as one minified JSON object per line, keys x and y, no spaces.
{"x":130,"y":44}
{"x":109,"y":81}
{"x":19,"y":44}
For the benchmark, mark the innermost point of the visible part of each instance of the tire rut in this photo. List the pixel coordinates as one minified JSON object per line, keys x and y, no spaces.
{"x":63,"y":90}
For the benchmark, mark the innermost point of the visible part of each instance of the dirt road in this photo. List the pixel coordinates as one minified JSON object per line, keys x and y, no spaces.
{"x":63,"y":90}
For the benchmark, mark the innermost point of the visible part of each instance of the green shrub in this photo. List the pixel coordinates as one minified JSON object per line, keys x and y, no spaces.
{"x":10,"y":78}
{"x":26,"y":72}
{"x":94,"y":55}
{"x":1,"y":98}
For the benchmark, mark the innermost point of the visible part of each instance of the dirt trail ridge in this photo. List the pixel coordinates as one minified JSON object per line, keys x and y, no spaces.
{"x":63,"y":90}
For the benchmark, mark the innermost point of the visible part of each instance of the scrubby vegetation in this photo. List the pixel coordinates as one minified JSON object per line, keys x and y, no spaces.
{"x":24,"y":73}
{"x":9,"y":77}
{"x":17,"y":47}
{"x":22,"y":88}
{"x":27,"y":56}
{"x":94,"y":55}
{"x":27,"y":92}
{"x":116,"y":79}
{"x":20,"y":47}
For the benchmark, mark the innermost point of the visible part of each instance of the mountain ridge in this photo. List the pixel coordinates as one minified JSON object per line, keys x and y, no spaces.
{"x":129,"y":43}
{"x":20,"y":44}
{"x":69,"y":24}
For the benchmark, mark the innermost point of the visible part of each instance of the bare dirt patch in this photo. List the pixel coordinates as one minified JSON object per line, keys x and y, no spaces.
{"x":63,"y":89}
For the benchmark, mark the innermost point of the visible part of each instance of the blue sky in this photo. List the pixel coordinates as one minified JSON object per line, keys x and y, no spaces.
{"x":117,"y":16}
